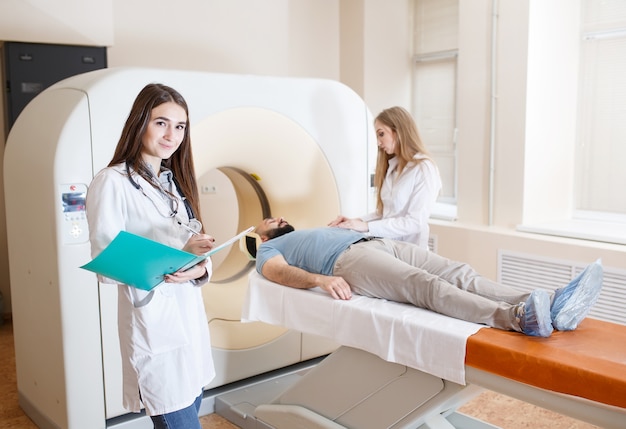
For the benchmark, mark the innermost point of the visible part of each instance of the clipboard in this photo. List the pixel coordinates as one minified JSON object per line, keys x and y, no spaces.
{"x":229,"y":242}
{"x":142,"y":263}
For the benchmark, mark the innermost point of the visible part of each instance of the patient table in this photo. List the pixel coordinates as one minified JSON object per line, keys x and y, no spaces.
{"x":399,"y":366}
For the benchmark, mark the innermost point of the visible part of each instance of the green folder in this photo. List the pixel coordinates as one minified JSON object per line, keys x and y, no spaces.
{"x":140,"y":262}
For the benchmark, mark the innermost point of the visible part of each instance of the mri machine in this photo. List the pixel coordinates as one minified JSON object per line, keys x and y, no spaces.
{"x":299,"y":148}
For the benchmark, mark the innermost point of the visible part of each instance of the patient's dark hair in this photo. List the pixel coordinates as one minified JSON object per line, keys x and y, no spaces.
{"x":282,"y":230}
{"x":251,"y":240}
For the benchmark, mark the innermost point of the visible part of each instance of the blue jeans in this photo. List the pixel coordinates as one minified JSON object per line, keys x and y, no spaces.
{"x":187,"y":418}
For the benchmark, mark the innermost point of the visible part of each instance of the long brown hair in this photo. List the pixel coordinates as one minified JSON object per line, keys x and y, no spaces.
{"x":409,"y":144}
{"x":130,"y":145}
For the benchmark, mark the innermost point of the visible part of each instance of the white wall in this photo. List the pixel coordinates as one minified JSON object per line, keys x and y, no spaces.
{"x":78,"y":22}
{"x":387,"y":54}
{"x":552,"y":84}
{"x":474,"y":109}
{"x":269,"y":37}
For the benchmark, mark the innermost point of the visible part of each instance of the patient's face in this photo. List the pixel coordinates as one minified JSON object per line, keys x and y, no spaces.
{"x":273,"y":227}
{"x":281,"y":230}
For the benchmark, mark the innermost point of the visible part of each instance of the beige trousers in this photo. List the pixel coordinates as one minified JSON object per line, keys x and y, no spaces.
{"x":402,"y":272}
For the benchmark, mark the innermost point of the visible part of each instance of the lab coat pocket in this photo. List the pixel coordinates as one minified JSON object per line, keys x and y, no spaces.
{"x":159,"y":323}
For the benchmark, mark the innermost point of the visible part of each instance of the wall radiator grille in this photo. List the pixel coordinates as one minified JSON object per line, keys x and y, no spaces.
{"x":527,"y":272}
{"x":432,"y":243}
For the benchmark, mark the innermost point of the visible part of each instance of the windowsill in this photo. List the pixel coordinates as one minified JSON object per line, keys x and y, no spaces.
{"x":443,"y":211}
{"x":592,"y":227}
{"x":584,"y":229}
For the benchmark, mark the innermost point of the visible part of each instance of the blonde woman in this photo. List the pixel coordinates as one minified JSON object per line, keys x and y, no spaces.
{"x":406,"y":179}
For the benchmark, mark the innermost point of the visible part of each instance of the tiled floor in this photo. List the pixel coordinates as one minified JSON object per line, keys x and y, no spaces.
{"x":499,"y":410}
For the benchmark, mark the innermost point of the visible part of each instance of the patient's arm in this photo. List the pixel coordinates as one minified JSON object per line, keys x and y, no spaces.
{"x":279,"y":271}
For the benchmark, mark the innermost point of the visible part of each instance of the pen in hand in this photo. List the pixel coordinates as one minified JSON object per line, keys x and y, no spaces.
{"x":188,"y":228}
{"x":198,"y":243}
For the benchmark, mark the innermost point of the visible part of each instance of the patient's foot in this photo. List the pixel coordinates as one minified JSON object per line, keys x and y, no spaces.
{"x":572,"y":303}
{"x":534,"y":315}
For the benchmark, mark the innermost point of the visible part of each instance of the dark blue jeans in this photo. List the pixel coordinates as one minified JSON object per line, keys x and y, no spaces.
{"x":187,"y":418}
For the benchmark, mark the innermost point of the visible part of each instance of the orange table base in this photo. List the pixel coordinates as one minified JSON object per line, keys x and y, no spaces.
{"x":589,"y":362}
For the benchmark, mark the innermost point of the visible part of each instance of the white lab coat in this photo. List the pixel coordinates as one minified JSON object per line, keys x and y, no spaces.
{"x":164,"y":333}
{"x":408,"y":200}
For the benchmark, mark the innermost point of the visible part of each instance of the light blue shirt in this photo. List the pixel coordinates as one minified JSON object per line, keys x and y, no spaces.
{"x":314,"y":250}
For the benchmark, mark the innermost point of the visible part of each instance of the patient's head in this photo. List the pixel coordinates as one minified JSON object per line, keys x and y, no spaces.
{"x":273,"y":227}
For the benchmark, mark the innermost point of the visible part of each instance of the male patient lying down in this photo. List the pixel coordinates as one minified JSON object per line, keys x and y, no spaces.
{"x":342,"y":261}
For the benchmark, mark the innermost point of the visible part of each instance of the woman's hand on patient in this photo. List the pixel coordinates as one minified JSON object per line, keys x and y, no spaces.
{"x":355,"y":224}
{"x":337,"y":287}
{"x":338,"y":220}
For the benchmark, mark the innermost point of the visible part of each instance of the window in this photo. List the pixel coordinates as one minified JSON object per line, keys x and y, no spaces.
{"x":597,"y":210}
{"x":434,"y":85}
{"x":601,"y":134}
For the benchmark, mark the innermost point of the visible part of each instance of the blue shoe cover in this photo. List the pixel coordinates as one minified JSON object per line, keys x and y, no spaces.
{"x":572,"y":303}
{"x":536,"y":319}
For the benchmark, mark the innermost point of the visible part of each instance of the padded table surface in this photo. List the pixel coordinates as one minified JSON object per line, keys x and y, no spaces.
{"x":589,"y":362}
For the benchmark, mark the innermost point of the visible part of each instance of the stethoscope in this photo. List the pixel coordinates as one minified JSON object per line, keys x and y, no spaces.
{"x":194,"y":226}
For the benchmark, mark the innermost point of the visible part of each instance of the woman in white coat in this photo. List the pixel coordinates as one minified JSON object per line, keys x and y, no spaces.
{"x":406,"y":179}
{"x":149,"y":189}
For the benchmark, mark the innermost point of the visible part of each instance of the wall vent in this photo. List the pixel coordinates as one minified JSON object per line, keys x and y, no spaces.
{"x":432,"y":243}
{"x":527,"y":272}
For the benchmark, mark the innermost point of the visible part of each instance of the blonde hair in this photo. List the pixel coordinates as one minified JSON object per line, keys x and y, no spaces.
{"x":409,"y":144}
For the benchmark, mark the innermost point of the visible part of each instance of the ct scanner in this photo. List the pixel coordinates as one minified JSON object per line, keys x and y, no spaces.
{"x":299,"y":148}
